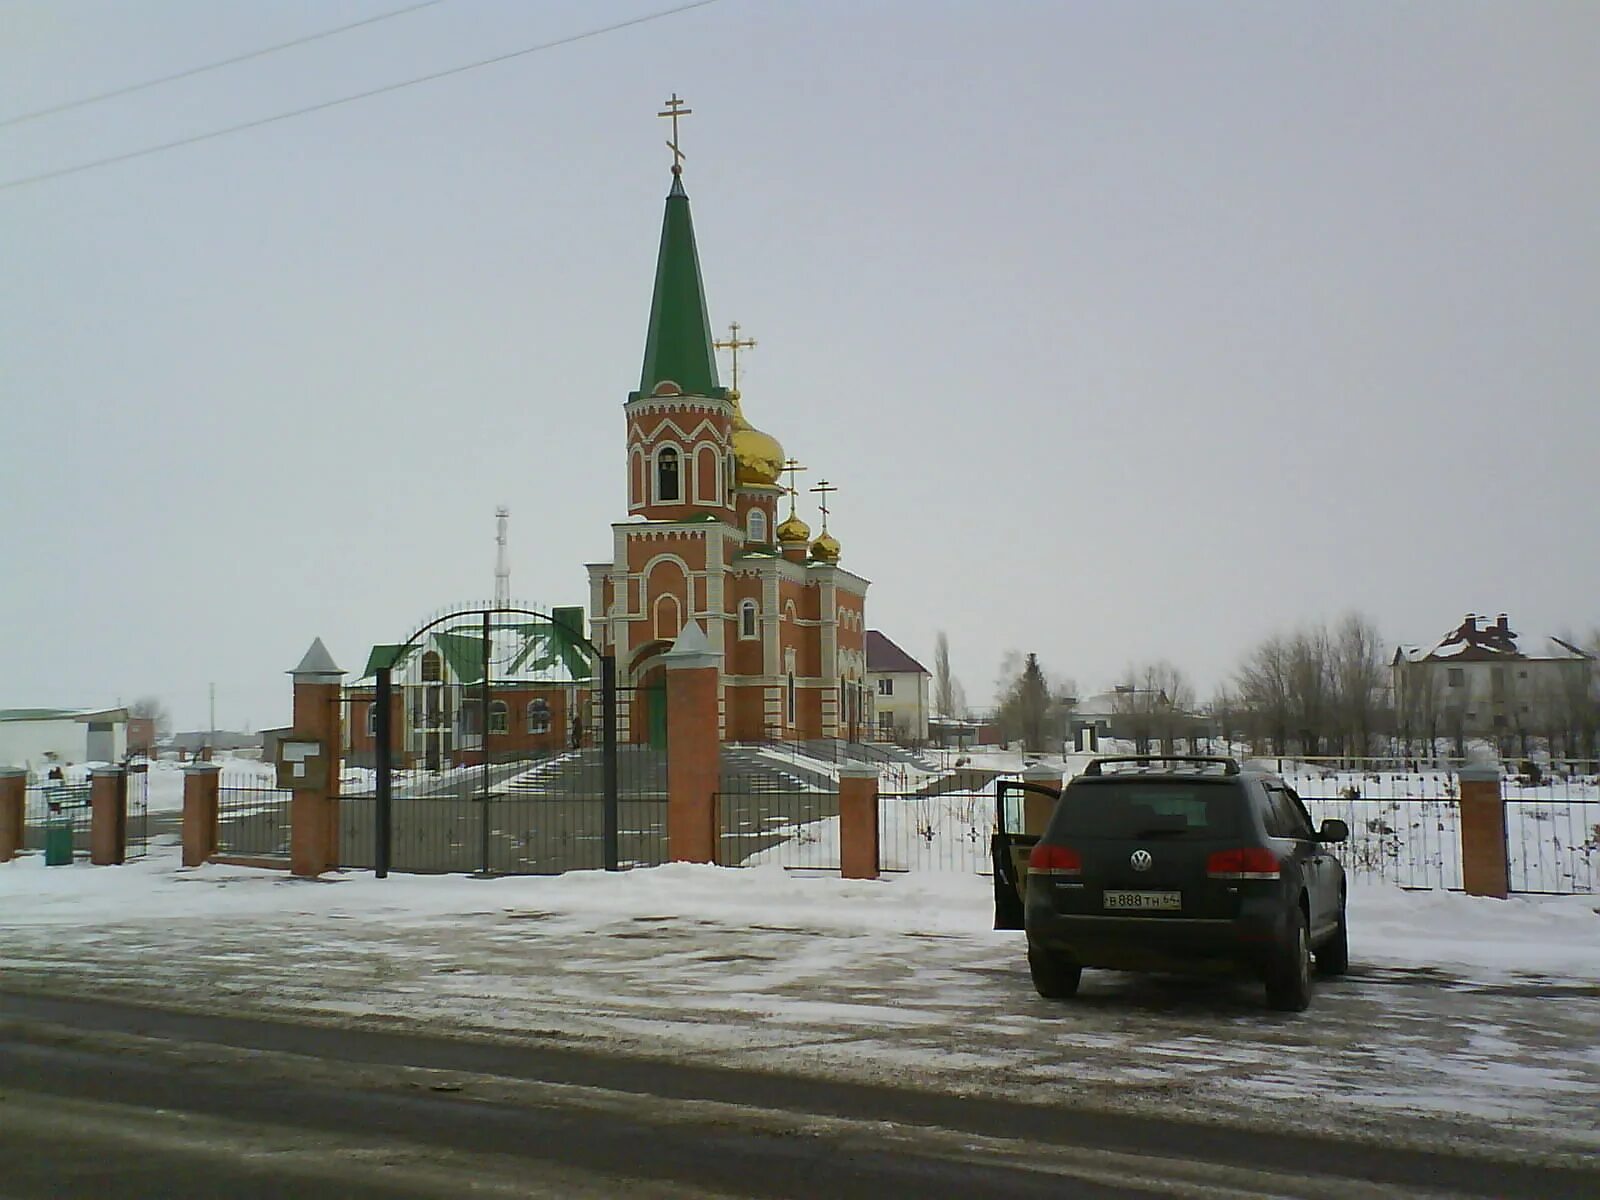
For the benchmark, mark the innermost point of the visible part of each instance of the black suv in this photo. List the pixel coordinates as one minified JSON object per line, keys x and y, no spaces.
{"x":1183,"y":864}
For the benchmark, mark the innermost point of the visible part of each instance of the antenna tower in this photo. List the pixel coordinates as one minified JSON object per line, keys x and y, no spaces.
{"x":502,"y":568}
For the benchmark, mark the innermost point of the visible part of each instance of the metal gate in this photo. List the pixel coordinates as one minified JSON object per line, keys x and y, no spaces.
{"x":487,"y":742}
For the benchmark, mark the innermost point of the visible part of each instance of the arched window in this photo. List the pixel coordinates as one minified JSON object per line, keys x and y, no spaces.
{"x":499,"y":716}
{"x":669,"y":618}
{"x":668,"y":486}
{"x":432,"y":667}
{"x":538,"y":716}
{"x":747,"y":618}
{"x":730,"y":476}
{"x":758,"y":525}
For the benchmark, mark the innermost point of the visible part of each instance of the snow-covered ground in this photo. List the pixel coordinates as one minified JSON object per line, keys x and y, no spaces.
{"x":1481,"y":1014}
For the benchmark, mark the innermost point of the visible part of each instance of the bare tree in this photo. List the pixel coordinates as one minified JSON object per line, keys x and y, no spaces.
{"x":1224,"y":712}
{"x":1154,"y":701}
{"x":1358,"y":683}
{"x":1264,"y":691}
{"x":947,"y":699}
{"x":150,"y":708}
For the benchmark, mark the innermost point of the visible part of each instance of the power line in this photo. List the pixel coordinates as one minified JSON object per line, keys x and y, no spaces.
{"x":226,"y":62}
{"x":367,"y":95}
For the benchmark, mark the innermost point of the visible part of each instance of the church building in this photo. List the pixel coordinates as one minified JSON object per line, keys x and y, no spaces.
{"x":712,"y":537}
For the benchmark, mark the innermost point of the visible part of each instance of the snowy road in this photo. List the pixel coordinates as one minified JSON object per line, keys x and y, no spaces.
{"x":117,"y":1101}
{"x":1464,"y":1023}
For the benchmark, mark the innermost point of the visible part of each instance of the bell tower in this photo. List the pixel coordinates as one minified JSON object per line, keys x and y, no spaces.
{"x":702,"y":543}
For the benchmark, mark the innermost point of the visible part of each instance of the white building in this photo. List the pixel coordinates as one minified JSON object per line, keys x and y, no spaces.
{"x":36,"y":738}
{"x":1478,"y":681}
{"x":897,"y":689}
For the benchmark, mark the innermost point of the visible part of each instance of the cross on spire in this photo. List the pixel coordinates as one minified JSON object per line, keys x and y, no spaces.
{"x":674,"y":110}
{"x":735,"y":345}
{"x":793,"y":467}
{"x":824,"y":487}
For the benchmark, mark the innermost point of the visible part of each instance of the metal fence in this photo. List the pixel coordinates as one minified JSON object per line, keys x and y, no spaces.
{"x":944,"y":831}
{"x":252,"y":818}
{"x":1553,"y":835}
{"x":798,"y":829}
{"x":55,"y":804}
{"x":66,"y":802}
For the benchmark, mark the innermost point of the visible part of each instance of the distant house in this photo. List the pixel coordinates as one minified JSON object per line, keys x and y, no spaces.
{"x":1480,"y":680}
{"x":897,"y":689}
{"x":34,"y":737}
{"x":1142,"y":716}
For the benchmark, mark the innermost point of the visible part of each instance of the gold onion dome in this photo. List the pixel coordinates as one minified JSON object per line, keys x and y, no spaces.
{"x":757,"y":456}
{"x":793,"y":529}
{"x":825,"y":548}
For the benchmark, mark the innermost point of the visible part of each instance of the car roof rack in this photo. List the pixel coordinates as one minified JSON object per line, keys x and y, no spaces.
{"x":1229,"y":765}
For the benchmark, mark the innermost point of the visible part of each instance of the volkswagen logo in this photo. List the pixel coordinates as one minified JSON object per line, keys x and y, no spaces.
{"x":1141,"y":860}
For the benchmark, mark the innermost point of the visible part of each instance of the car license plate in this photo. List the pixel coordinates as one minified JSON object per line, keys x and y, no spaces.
{"x":1161,"y":901}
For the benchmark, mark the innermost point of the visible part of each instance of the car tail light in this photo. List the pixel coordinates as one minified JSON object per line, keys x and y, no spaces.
{"x":1247,"y":862}
{"x":1054,"y":860}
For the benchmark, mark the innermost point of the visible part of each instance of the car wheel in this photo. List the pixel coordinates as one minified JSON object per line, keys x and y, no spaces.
{"x":1333,"y":956}
{"x":1055,"y":976}
{"x":1289,"y":977}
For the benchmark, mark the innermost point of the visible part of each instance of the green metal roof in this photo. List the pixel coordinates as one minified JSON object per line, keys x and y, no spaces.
{"x":383,"y":656}
{"x":678,"y":343}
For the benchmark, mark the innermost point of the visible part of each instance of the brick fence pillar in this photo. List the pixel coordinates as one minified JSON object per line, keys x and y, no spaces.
{"x":694,"y":749}
{"x":13,"y":800}
{"x":108,"y":816}
{"x":200,"y":783}
{"x":318,"y":717}
{"x":1036,"y":809}
{"x":1484,"y":869}
{"x":858,"y":821}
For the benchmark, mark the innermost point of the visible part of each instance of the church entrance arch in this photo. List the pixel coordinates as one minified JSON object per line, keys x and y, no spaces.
{"x":648,"y":724}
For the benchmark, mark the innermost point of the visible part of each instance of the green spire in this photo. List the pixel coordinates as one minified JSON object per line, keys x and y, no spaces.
{"x":678,"y":345}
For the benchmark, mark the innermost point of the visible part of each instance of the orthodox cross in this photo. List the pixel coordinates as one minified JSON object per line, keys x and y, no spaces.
{"x":675,"y":109}
{"x":822,"y":503}
{"x":734,"y":344}
{"x":792,"y":466}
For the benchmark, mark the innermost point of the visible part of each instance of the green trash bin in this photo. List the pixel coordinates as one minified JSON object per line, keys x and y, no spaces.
{"x":58,"y":837}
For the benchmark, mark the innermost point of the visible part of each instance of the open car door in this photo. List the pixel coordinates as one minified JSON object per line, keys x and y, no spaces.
{"x":1021,"y":812}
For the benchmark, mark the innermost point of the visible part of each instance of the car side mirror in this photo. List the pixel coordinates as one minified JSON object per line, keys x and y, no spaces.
{"x":1333,"y":830}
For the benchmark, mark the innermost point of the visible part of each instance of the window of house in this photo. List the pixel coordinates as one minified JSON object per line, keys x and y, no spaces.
{"x":747,"y":618}
{"x":1458,"y":676}
{"x":885,"y":687}
{"x":758,"y":525}
{"x":538,"y":716}
{"x":791,"y":698}
{"x":499,"y":716}
{"x":372,"y":720}
{"x":1499,"y":722}
{"x":432,"y":667}
{"x":1522,"y":674}
{"x":667,"y":488}
{"x":886,"y":724}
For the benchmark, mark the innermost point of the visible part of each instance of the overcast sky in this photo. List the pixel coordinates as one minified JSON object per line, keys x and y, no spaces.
{"x":1126,"y":330}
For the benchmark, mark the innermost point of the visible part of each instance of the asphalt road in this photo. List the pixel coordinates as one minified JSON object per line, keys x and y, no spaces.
{"x":113,"y":1100}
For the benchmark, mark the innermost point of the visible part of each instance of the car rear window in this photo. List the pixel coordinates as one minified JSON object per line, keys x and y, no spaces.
{"x":1134,"y":808}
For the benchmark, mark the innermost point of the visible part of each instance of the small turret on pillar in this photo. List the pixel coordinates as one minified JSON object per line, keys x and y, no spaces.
{"x":318,"y":717}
